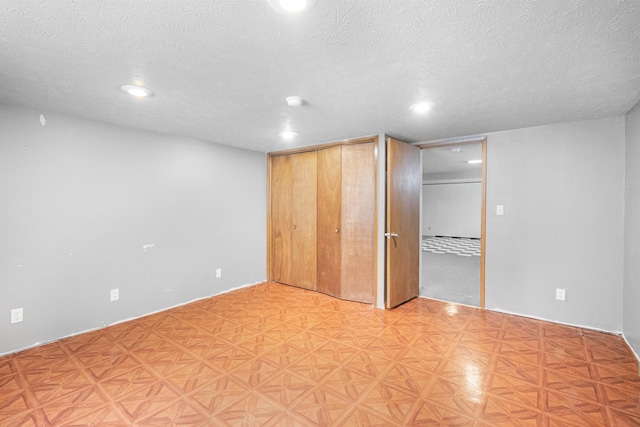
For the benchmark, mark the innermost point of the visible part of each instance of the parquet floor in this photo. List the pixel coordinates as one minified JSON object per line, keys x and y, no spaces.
{"x":275,"y":355}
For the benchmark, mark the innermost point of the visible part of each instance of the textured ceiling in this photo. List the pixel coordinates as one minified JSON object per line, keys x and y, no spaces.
{"x":220,"y":70}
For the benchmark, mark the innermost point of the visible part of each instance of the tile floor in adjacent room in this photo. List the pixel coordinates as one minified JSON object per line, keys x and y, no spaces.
{"x":276,"y":355}
{"x":461,"y":246}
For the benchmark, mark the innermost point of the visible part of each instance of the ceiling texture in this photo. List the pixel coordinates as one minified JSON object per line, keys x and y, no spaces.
{"x":220,"y":70}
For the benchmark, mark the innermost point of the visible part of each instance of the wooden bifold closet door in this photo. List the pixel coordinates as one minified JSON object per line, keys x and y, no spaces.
{"x":329,"y":220}
{"x":346,"y":213}
{"x":334,"y":191}
{"x":293,"y":254}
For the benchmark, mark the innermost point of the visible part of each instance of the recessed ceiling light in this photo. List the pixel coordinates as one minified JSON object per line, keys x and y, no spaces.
{"x":456,"y":150}
{"x":137,"y":91}
{"x":287,"y":134}
{"x":294,"y":101}
{"x":474,"y":162}
{"x":291,"y":6}
{"x":421,"y":107}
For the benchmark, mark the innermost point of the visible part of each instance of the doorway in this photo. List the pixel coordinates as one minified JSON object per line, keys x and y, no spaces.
{"x":452,"y":221}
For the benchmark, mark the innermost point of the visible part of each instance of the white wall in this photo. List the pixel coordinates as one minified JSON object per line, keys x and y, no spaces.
{"x":80,"y":200}
{"x":631,"y":293}
{"x":452,"y":209}
{"x":562,"y":187}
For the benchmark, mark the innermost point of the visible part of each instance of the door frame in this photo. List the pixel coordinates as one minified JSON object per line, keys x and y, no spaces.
{"x":453,"y":142}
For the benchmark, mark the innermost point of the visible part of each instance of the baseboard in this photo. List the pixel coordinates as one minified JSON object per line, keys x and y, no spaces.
{"x":590,"y":328}
{"x":38,"y":344}
{"x":226,"y":291}
{"x":632,"y":351}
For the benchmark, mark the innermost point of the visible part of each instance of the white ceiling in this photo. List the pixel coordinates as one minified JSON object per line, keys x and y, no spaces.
{"x":451,"y":159}
{"x":220,"y":70}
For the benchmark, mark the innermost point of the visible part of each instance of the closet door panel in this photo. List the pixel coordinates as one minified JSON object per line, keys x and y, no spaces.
{"x":358,"y":216}
{"x":329,"y":223}
{"x":281,"y":200}
{"x":304,"y":211}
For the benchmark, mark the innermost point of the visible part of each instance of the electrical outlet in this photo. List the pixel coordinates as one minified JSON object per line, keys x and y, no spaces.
{"x":218,"y":273}
{"x":115,"y":294}
{"x":560,"y":294}
{"x":16,"y":315}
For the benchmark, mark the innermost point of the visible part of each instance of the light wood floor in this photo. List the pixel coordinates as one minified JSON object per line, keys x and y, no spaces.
{"x":281,"y":356}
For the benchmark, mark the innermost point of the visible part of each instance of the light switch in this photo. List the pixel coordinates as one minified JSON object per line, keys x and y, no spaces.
{"x":499,"y":209}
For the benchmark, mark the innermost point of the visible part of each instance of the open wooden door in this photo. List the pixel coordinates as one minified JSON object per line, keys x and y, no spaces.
{"x":404,"y":184}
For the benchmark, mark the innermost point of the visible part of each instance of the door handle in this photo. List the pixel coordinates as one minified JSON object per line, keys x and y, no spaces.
{"x":337,"y":230}
{"x":390,"y":235}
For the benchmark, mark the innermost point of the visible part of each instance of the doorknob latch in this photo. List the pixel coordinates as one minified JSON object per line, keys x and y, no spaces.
{"x":390,"y":235}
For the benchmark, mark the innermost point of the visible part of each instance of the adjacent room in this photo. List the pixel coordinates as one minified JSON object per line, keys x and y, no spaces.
{"x":452,"y":202}
{"x":233,"y":213}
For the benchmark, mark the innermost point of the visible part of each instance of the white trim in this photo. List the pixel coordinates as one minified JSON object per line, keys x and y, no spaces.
{"x":619,"y":333}
{"x":510,"y":313}
{"x":637,"y":356}
{"x":37,"y":344}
